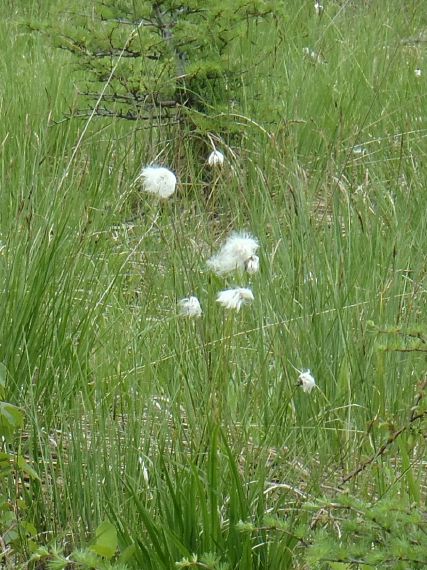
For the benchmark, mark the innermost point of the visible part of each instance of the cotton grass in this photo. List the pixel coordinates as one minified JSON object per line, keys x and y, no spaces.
{"x":237,"y":253}
{"x":252,"y":265}
{"x":306,"y":381}
{"x":318,"y":8}
{"x":215,"y":159}
{"x":190,"y":307}
{"x":234,"y":299}
{"x":158,"y":180}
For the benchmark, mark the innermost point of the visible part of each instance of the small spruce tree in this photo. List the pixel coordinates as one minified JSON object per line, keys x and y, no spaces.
{"x":172,"y":59}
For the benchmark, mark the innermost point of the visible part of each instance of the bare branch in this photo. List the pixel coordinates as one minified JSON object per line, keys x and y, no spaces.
{"x":117,"y":114}
{"x":414,"y":416}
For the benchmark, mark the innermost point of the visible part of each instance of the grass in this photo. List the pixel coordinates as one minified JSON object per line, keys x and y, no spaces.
{"x":176,"y":430}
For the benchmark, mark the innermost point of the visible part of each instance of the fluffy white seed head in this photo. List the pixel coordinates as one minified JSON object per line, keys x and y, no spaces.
{"x":252,"y":264}
{"x":306,"y":381}
{"x":360,"y":149}
{"x":312,"y":55}
{"x":234,"y":254}
{"x":216,"y":158}
{"x":190,"y":307}
{"x":158,"y":180}
{"x":318,"y":8}
{"x":144,"y":470}
{"x":235,"y":298}
{"x":310,"y":277}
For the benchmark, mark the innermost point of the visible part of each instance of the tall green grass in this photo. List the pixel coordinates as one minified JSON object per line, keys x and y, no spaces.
{"x":176,"y":430}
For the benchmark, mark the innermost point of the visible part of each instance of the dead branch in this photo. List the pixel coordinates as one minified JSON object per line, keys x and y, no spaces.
{"x":414,"y":416}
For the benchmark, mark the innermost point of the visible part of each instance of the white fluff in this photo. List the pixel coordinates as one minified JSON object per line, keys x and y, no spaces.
{"x":314,"y":56}
{"x":306,"y":381}
{"x":234,"y":254}
{"x":190,"y":307}
{"x":360,"y":149}
{"x":252,"y":264}
{"x":158,"y":180}
{"x":216,"y":158}
{"x":318,"y":8}
{"x":235,"y":298}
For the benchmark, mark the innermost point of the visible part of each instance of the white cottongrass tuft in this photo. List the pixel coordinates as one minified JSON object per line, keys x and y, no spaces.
{"x":252,"y":264}
{"x":235,"y":254}
{"x":216,"y":158}
{"x":312,"y":55}
{"x":158,"y":180}
{"x":306,"y":381}
{"x":190,"y":307}
{"x":318,"y":8}
{"x":145,"y":474}
{"x":360,"y":149}
{"x":310,"y":277}
{"x":235,"y":298}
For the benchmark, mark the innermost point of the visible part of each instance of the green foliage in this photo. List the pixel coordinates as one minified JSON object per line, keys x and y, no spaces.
{"x":11,"y":417}
{"x":386,"y":534}
{"x":96,"y":557}
{"x":16,"y":529}
{"x":411,"y":338}
{"x":172,"y":53}
{"x":207,"y":561}
{"x":193,"y":439}
{"x":106,"y":540}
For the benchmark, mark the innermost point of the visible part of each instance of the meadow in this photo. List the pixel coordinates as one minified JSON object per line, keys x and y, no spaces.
{"x":143,"y":439}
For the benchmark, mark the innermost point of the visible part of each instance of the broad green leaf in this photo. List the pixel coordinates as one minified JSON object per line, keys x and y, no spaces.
{"x":127,"y":554}
{"x":10,"y":536}
{"x":5,"y":461}
{"x":29,"y":528}
{"x":8,"y":517}
{"x":26,"y":468}
{"x":11,"y":416}
{"x":106,"y":540}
